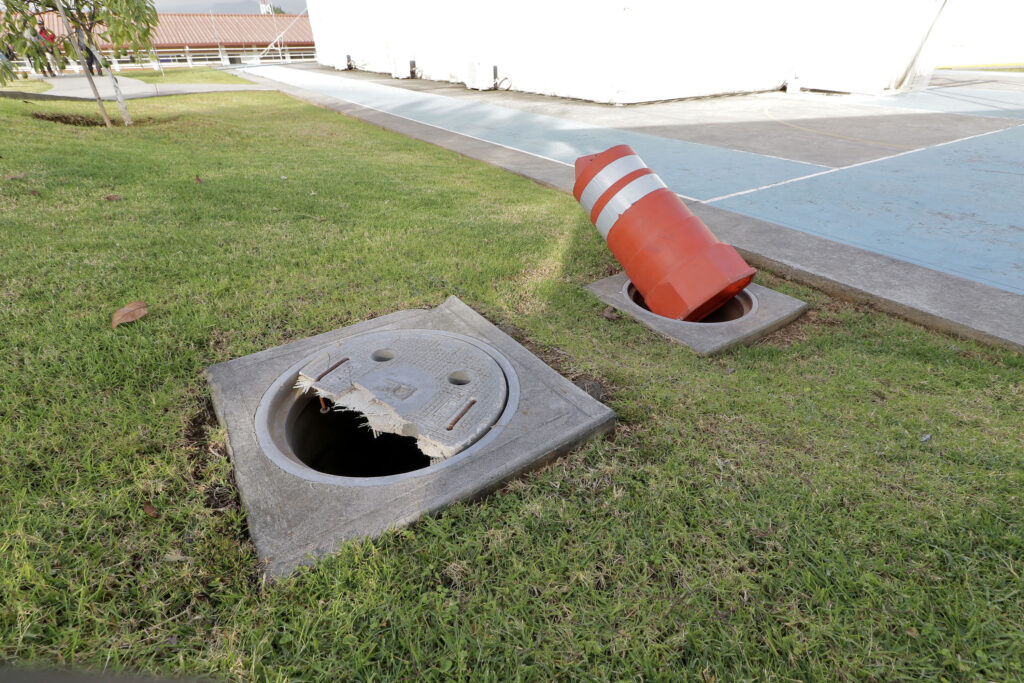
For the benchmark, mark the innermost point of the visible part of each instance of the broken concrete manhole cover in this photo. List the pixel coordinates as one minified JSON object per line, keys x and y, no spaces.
{"x":445,"y":390}
{"x":369,"y":427}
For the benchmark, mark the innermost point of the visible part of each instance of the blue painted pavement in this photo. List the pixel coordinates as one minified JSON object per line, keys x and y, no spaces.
{"x":956,"y":208}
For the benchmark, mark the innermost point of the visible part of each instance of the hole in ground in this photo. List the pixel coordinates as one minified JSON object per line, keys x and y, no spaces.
{"x":733,"y":309}
{"x":339,"y":442}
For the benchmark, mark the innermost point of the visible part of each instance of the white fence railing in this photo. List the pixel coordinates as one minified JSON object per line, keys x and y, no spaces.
{"x":186,"y":57}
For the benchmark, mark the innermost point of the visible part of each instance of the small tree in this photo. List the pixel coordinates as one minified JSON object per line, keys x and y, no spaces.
{"x":127,"y":25}
{"x":6,"y":67}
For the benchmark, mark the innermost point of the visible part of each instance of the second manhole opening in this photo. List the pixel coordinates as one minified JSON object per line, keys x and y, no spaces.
{"x":733,"y":309}
{"x":341,"y":443}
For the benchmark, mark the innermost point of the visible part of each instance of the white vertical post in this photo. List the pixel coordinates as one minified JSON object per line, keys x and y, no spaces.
{"x":188,"y":56}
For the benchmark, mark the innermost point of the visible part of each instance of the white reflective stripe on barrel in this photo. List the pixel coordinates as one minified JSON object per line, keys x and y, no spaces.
{"x":625,"y":198}
{"x":608,"y":176}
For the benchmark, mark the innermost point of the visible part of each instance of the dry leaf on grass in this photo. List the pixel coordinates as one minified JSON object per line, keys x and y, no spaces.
{"x":610,"y":313}
{"x":148,"y":508}
{"x":611,"y":269}
{"x":16,"y":176}
{"x":113,"y":197}
{"x":199,"y":180}
{"x":132,"y":311}
{"x":34,"y":193}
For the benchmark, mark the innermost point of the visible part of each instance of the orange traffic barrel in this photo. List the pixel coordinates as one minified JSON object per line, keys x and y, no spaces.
{"x":680,"y":268}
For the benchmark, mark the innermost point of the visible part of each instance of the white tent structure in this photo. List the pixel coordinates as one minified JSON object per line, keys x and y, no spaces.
{"x":640,"y":50}
{"x":979,"y":33}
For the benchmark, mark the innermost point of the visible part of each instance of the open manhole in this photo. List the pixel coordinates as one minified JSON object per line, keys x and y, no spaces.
{"x":385,"y":404}
{"x":369,"y":427}
{"x":342,"y":443}
{"x":751,"y":314}
{"x":735,"y":308}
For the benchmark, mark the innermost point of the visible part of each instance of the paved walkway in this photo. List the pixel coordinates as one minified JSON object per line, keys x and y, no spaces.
{"x":911,"y":202}
{"x":76,"y":86}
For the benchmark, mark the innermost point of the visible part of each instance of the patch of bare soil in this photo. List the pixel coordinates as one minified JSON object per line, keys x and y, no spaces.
{"x":80,"y":120}
{"x":811,"y":323}
{"x":201,"y":452}
{"x":67,"y":119}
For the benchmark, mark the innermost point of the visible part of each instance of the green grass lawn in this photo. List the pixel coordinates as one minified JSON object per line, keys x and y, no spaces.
{"x":198,"y":74}
{"x":841,"y":501}
{"x":26,"y":85}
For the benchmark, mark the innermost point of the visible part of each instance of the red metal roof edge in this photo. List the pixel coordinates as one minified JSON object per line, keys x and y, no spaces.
{"x":53,"y":22}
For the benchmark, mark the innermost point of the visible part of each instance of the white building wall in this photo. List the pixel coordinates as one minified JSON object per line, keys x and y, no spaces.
{"x":631,"y":51}
{"x":868,"y":47}
{"x":978,"y":33}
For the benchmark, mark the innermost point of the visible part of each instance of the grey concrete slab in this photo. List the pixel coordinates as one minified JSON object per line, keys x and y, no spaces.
{"x":834,"y":141}
{"x":928,"y":297}
{"x":766,"y":311}
{"x":297,"y":514}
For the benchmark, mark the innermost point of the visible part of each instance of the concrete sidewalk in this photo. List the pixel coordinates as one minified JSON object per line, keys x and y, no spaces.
{"x":76,"y":86}
{"x":908,"y":203}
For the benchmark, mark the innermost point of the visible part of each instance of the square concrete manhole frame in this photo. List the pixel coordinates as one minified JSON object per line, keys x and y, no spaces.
{"x":294,"y":517}
{"x":767,"y":311}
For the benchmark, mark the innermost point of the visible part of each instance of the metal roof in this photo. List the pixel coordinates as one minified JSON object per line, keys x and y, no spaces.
{"x":230,"y":30}
{"x":210,"y":30}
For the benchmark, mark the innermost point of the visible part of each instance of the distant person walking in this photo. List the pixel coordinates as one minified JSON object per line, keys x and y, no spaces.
{"x":49,"y":38}
{"x":91,"y":63}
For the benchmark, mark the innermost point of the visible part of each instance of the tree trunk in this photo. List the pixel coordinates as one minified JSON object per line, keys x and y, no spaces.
{"x":81,"y":61}
{"x":125,"y":116}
